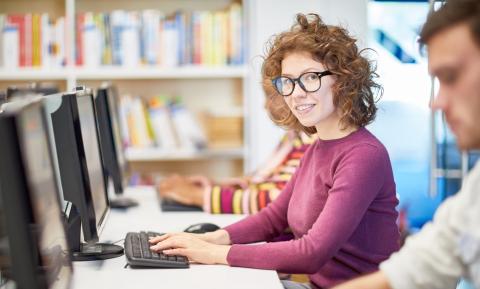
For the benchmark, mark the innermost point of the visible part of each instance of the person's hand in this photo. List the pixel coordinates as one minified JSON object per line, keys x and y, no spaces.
{"x":183,"y":190}
{"x":218,"y":237}
{"x":242,"y":182}
{"x":191,"y":246}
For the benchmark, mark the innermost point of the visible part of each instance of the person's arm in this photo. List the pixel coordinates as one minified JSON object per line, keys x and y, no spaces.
{"x":213,"y":247}
{"x":376,"y":280}
{"x":356,"y":184}
{"x":184,"y":190}
{"x":437,"y":256}
{"x":244,"y":195}
{"x":266,"y":224}
{"x":431,"y":259}
{"x":257,"y":191}
{"x":275,"y":158}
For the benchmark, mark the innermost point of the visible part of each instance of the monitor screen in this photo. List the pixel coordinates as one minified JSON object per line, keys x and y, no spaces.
{"x":91,"y":145}
{"x":117,"y":137}
{"x":44,"y":197}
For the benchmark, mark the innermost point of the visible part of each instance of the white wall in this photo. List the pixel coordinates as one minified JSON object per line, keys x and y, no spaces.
{"x":269,"y":17}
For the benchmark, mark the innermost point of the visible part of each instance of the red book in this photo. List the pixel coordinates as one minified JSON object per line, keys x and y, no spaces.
{"x":19,"y":22}
{"x":78,"y":37}
{"x":197,"y":37}
{"x":28,"y":40}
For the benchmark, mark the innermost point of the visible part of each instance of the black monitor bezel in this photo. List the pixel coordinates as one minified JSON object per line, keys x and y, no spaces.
{"x":24,"y":240}
{"x":73,"y":168}
{"x":74,"y":185}
{"x":110,"y":150}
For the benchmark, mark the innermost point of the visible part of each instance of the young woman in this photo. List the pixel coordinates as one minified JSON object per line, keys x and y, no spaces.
{"x":340,"y":203}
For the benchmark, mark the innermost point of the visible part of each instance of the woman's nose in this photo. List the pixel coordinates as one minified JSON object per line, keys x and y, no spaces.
{"x":298,"y":90}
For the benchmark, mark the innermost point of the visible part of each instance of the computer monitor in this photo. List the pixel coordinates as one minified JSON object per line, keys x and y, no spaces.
{"x":111,"y":144}
{"x":33,"y":240}
{"x":74,"y":129}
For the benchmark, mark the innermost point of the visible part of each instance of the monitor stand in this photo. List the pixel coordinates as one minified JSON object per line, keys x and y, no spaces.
{"x":85,"y":251}
{"x":122,"y":203}
{"x":117,"y":201}
{"x":97,"y":251}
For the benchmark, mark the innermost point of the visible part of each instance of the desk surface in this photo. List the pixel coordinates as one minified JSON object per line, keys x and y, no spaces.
{"x":148,"y":216}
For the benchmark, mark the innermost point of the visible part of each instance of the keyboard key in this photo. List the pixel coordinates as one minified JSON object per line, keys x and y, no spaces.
{"x":182,"y":259}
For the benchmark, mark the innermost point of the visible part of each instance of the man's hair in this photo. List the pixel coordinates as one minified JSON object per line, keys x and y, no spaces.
{"x":451,"y":13}
{"x":353,"y":91}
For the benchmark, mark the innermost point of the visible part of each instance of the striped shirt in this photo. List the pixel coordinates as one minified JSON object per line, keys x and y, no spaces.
{"x":264,"y":185}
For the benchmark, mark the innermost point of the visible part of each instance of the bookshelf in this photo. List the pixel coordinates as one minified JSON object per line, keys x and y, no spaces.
{"x":33,"y":74}
{"x":200,"y":86}
{"x":152,"y":154}
{"x":192,"y":72}
{"x":77,"y":74}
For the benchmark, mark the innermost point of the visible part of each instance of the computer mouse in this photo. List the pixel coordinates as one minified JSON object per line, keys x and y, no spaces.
{"x":202,"y":228}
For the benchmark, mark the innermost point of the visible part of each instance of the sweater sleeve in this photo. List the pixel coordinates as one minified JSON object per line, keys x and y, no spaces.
{"x":266,"y":224}
{"x":426,"y":260}
{"x":357,"y":180}
{"x":228,"y":199}
{"x":446,"y":248}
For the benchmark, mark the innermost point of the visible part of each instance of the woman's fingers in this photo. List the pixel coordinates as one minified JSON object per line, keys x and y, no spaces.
{"x":160,"y":238}
{"x":172,"y":242}
{"x":176,"y":251}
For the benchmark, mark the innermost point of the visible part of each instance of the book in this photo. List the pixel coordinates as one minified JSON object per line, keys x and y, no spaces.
{"x":17,"y":21}
{"x":46,"y":41}
{"x":130,"y":40}
{"x":80,"y":19}
{"x":11,"y":46}
{"x":91,"y":42}
{"x":190,"y":134}
{"x":60,"y":51}
{"x":164,"y":132}
{"x":36,"y":40}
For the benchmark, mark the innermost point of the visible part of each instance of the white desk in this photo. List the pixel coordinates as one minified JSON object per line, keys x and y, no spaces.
{"x":148,"y":216}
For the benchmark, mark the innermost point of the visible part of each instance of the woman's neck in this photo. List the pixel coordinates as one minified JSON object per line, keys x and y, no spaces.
{"x":331,"y":129}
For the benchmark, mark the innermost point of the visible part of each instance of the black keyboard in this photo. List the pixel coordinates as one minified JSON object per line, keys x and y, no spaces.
{"x":138,"y":253}
{"x":168,"y":205}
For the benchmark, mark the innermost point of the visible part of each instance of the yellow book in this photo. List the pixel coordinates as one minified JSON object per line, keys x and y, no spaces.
{"x":36,"y":40}
{"x":203,"y":38}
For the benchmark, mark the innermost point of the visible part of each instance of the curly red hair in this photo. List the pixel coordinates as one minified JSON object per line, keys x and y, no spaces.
{"x":353,"y":91}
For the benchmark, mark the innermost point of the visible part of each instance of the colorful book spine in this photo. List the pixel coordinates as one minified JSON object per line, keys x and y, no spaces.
{"x":36,"y":40}
{"x":11,"y":49}
{"x":19,"y":22}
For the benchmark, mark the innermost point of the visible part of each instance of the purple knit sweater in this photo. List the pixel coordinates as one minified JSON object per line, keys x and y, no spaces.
{"x":340,"y":206}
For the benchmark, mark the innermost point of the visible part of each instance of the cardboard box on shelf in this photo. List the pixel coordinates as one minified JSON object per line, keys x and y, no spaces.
{"x":224,"y":129}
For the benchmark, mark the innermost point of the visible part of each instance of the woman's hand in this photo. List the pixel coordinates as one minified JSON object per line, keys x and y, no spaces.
{"x":241,"y":182}
{"x":190,"y":246}
{"x":183,"y":190}
{"x":219,"y":237}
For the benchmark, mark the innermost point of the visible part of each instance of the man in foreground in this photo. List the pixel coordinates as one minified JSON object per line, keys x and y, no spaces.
{"x":449,"y":247}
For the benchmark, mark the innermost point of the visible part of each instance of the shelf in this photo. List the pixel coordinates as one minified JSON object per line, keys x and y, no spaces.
{"x":155,"y":154}
{"x":33,"y":74}
{"x":113,"y":72}
{"x":183,"y":72}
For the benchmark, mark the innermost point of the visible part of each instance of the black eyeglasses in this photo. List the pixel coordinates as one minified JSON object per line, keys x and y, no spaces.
{"x":308,"y":81}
